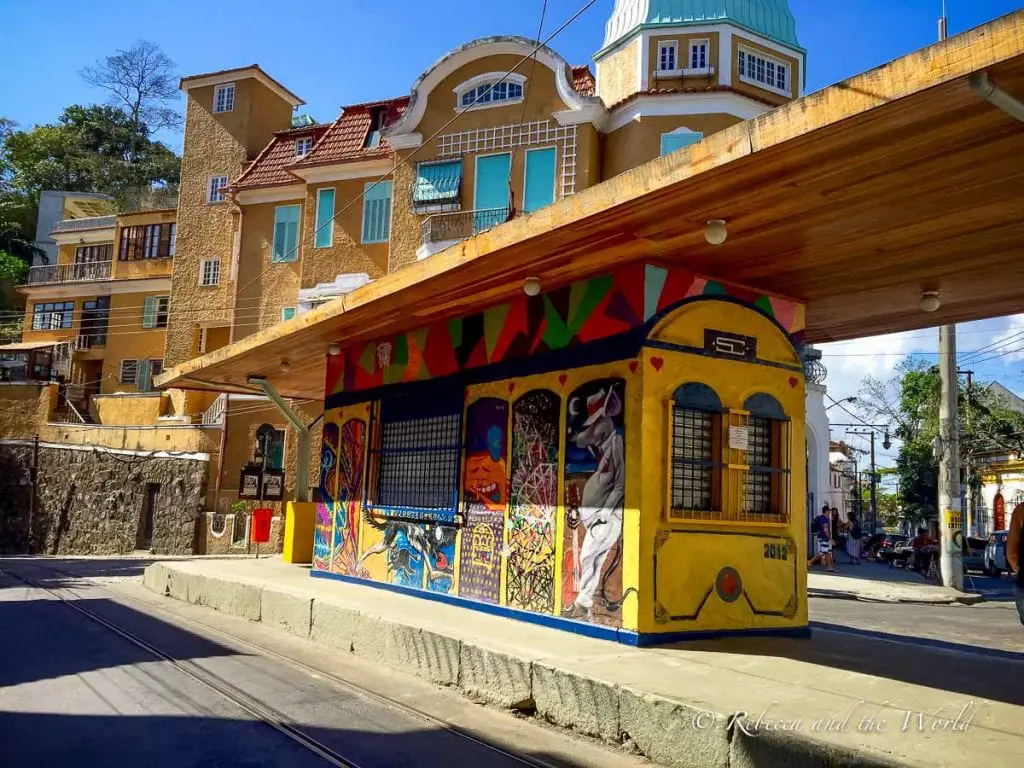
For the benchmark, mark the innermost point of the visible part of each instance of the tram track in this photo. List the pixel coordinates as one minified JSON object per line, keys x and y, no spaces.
{"x":263,"y":713}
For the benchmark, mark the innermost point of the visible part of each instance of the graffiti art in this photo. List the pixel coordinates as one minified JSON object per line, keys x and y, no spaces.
{"x":533,"y":498}
{"x":328,"y":498}
{"x":486,"y":494}
{"x":351,"y":450}
{"x":418,"y":554}
{"x":595,"y":474}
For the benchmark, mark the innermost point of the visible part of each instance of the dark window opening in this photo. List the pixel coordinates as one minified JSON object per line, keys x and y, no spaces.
{"x":696,"y":452}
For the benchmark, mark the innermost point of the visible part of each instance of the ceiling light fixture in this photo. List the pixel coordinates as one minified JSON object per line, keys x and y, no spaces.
{"x":285,"y":366}
{"x":715,"y":232}
{"x":334,"y":349}
{"x":930,"y":301}
{"x":531,"y":286}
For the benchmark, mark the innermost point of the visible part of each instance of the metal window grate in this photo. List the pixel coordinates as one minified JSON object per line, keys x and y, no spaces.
{"x":763,"y":488}
{"x":417,"y":467}
{"x":693,"y":463}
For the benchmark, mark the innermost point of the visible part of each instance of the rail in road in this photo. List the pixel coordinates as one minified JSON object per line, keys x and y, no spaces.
{"x":263,"y":713}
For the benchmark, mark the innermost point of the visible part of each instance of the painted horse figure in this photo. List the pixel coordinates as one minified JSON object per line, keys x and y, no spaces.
{"x":603,"y":494}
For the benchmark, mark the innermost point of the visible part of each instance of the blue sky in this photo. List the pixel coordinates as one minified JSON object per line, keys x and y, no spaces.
{"x":333,"y":53}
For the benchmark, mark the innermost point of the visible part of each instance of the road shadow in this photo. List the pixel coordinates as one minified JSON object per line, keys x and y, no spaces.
{"x":158,"y":741}
{"x":928,"y":664}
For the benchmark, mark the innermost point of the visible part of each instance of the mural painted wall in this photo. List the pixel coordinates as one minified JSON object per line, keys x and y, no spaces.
{"x":586,"y":311}
{"x":325,"y":509}
{"x":533,"y":502}
{"x":594,"y":482}
{"x":563,"y":473}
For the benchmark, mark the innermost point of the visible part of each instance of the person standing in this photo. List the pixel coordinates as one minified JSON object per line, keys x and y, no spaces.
{"x":821,"y":528}
{"x":853,"y":536}
{"x":1015,"y":555}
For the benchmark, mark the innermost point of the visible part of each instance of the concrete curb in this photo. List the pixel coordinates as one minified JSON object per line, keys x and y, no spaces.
{"x":964,"y":598}
{"x":668,"y":731}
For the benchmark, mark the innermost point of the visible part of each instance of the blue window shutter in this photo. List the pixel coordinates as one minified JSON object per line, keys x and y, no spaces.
{"x":377,"y":212}
{"x":286,"y":233}
{"x":143,"y":379}
{"x":287,"y":313}
{"x":149,"y":313}
{"x":540,"y":179}
{"x":670,"y":142}
{"x":324,"y":237}
{"x":438,"y":183}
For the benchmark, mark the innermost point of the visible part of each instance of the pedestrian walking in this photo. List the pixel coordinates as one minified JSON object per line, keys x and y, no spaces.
{"x":853,"y":537}
{"x":821,"y":530}
{"x":1015,"y":555}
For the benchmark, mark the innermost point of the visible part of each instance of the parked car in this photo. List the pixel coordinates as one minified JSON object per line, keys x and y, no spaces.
{"x":894,"y":550}
{"x":995,"y":554}
{"x":974,"y":554}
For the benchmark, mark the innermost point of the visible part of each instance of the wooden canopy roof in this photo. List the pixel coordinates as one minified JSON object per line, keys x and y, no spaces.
{"x":854,"y":200}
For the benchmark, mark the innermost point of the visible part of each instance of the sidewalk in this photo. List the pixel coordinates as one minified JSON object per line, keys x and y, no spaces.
{"x":877,"y":582}
{"x":672,"y":703}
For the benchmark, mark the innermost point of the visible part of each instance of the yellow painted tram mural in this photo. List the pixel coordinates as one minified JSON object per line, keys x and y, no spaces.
{"x":622,"y":457}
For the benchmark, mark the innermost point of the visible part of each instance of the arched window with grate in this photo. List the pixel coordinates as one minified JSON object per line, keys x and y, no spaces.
{"x":766,"y":487}
{"x":695,"y":453}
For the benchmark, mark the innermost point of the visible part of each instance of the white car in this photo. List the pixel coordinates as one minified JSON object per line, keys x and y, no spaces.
{"x":995,"y":554}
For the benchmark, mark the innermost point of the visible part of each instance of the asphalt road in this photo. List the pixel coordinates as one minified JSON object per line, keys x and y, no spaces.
{"x":75,"y":693}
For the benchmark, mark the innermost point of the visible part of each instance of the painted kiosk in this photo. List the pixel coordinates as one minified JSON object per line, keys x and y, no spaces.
{"x":622,"y":457}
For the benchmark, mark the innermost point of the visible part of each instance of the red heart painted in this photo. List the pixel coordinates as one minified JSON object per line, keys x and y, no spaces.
{"x":511,"y":386}
{"x":562,"y":379}
{"x":633,"y":366}
{"x":793,"y":381}
{"x":657,"y":362}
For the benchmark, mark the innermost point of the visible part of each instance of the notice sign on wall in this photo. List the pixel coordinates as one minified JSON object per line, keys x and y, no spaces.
{"x":261,"y":525}
{"x":273,"y":485}
{"x":739,"y":438}
{"x":249,"y":483}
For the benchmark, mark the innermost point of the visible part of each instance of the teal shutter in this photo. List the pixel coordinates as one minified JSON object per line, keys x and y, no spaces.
{"x":286,"y":233}
{"x":670,"y":142}
{"x":324,"y":237}
{"x":540,"y":179}
{"x":287,"y":313}
{"x":144,"y":378}
{"x":149,"y":313}
{"x":377,"y":212}
{"x":438,"y":183}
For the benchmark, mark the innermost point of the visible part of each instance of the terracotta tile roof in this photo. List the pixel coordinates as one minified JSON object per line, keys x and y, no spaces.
{"x":345,"y":140}
{"x":583,"y":80}
{"x":671,"y":91}
{"x":268,"y":169}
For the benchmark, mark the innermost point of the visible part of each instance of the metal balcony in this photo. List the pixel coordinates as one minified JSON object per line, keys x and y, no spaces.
{"x":56,"y":274}
{"x":461,"y":225}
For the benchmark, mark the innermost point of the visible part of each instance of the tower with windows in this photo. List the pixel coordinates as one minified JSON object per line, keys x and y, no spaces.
{"x":674,"y":71}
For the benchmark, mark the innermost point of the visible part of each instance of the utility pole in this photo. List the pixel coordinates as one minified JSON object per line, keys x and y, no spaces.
{"x":870,"y":432}
{"x":968,"y":521}
{"x":950,"y":517}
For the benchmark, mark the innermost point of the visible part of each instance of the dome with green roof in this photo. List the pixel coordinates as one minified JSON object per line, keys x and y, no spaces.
{"x":770,"y":18}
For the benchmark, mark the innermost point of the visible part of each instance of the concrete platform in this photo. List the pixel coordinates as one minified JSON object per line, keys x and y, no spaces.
{"x":678,"y":704}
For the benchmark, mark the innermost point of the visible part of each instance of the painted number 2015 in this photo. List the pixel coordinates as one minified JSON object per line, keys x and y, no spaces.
{"x":776,"y":552}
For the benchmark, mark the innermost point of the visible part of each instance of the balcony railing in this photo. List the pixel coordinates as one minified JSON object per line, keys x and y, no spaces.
{"x":461,"y":225}
{"x":69,"y":273}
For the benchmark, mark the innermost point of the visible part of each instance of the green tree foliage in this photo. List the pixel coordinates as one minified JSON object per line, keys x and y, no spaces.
{"x":909,"y":401}
{"x":89,"y":149}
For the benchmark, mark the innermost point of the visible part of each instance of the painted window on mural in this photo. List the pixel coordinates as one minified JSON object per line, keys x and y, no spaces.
{"x":594,"y":488}
{"x":767,"y":479}
{"x":695,"y":452}
{"x":485,"y":492}
{"x":416,"y":454}
{"x":533,"y":502}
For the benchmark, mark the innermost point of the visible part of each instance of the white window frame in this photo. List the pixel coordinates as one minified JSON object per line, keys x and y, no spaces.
{"x":228,"y":89}
{"x":751,"y":52}
{"x":663,"y":45}
{"x":215,"y":193}
{"x":306,"y":143}
{"x":708,"y":68}
{"x":485,"y":79}
{"x":203,"y":272}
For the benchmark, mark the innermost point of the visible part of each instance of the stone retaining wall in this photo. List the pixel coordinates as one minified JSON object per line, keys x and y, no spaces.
{"x":91,"y":501}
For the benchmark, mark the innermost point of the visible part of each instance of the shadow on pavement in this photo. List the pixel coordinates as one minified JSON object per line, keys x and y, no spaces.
{"x":918,"y":664}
